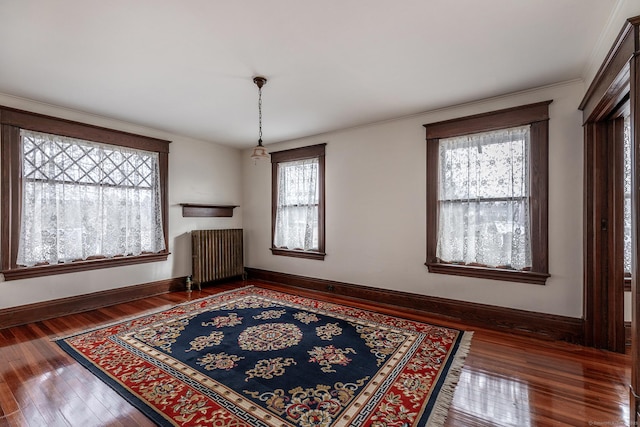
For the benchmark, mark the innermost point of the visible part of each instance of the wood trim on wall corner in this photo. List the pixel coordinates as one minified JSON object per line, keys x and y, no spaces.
{"x":20,"y":315}
{"x":610,"y":77}
{"x":538,"y":325}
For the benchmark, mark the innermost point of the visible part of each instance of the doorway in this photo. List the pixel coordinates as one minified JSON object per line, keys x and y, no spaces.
{"x":611,"y":113}
{"x":607,"y":226}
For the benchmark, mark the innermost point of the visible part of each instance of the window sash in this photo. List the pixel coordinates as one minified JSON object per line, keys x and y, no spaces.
{"x":296,"y":222}
{"x":74,"y":208}
{"x":54,"y":158}
{"x":469,"y":165}
{"x":483,"y":199}
{"x":495,"y":233}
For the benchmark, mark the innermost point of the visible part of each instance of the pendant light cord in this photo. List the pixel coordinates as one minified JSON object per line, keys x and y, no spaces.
{"x":260,"y":116}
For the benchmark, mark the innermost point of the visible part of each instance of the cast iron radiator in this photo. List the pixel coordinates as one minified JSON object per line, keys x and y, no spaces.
{"x":217,"y":254}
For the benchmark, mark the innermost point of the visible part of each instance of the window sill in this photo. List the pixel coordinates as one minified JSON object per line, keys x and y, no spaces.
{"x":75,"y":266}
{"x":298,"y":254}
{"x":488,"y":273}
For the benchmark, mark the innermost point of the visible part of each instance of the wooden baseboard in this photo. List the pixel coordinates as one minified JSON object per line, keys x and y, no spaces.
{"x":14,"y":316}
{"x":540,"y":325}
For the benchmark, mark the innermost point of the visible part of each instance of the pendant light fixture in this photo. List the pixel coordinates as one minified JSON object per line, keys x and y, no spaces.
{"x":259,"y":152}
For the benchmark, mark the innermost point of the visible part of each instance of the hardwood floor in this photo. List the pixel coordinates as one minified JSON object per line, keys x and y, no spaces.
{"x":507,"y":380}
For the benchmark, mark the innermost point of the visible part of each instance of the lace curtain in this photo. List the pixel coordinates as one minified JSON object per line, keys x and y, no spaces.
{"x":82,"y":199}
{"x":483,"y":198}
{"x":297,"y":207}
{"x":627,"y":195}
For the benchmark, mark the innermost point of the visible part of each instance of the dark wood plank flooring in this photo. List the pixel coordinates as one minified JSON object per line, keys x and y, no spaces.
{"x":508,"y":380}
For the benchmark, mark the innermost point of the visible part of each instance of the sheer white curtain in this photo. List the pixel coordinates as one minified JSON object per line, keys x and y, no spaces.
{"x":483,"y":198}
{"x":627,"y":195}
{"x":297,"y":207}
{"x":82,"y":199}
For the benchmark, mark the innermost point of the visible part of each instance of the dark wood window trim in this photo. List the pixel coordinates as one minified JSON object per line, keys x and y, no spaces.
{"x":11,"y":121}
{"x":537,"y":116}
{"x":310,"y":152}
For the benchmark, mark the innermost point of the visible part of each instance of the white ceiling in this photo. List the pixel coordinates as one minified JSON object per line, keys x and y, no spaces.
{"x":186,"y":67}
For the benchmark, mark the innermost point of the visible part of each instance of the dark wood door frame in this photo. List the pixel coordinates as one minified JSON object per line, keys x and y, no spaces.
{"x":616,"y":85}
{"x":604,"y":234}
{"x":635,"y":229}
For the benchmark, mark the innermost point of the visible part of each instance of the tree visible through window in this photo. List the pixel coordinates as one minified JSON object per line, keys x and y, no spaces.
{"x":487,"y":188}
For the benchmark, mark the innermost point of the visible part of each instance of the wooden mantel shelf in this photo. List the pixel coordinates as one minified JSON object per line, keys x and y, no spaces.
{"x":196,"y":209}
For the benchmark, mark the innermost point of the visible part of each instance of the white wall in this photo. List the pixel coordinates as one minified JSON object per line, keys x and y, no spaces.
{"x":375,"y":209}
{"x":375,"y":205}
{"x":199,"y":172}
{"x":623,"y":10}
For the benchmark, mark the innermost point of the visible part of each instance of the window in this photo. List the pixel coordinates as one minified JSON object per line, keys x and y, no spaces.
{"x":627,"y":195}
{"x":298,"y":202}
{"x":483,"y":199}
{"x":487,"y":195}
{"x":82,"y":200}
{"x":79,"y":197}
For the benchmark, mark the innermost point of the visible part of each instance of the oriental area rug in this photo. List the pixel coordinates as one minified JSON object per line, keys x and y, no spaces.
{"x":256,"y":357}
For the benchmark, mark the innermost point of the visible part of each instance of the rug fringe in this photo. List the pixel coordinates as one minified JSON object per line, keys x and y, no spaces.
{"x":445,"y":396}
{"x":149,"y":313}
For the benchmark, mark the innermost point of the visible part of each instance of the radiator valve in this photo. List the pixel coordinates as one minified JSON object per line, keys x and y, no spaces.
{"x":188,"y":283}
